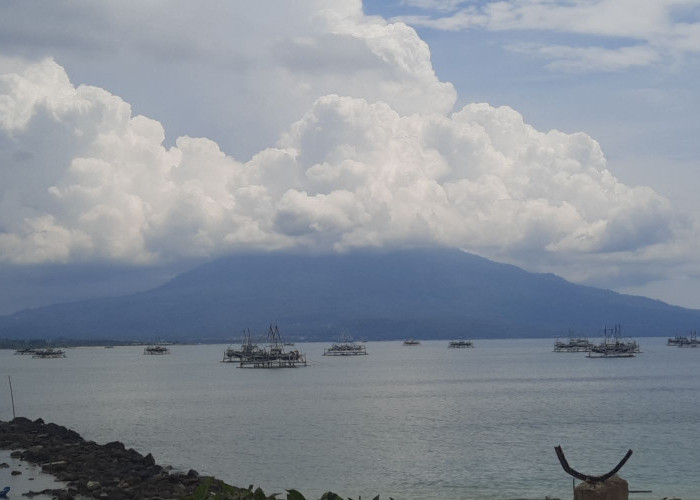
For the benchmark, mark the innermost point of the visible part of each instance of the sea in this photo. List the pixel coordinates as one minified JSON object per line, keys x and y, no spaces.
{"x":419,"y":422}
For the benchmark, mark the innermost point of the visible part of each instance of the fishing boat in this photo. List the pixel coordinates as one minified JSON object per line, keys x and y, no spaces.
{"x":48,"y":353}
{"x":156,"y":350}
{"x":573,"y":344}
{"x":248,"y":348}
{"x":27,"y":351}
{"x":345,"y":347}
{"x":411,"y":342}
{"x":273,"y":355}
{"x":690,"y":341}
{"x":614,"y":345}
{"x":460,"y":344}
{"x":676,"y":341}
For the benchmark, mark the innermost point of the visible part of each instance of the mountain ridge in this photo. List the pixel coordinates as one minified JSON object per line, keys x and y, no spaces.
{"x":422,"y":293}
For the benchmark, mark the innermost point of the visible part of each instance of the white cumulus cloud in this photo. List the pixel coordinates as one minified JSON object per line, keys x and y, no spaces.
{"x":84,"y":179}
{"x":236,"y":72}
{"x":643,"y":32}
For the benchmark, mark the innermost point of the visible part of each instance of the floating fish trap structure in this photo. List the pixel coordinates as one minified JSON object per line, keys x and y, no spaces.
{"x":156,"y":350}
{"x":614,"y":345}
{"x":273,"y":355}
{"x":27,"y":351}
{"x":48,"y":353}
{"x":460,"y":344}
{"x":573,"y":344}
{"x":689,"y":341}
{"x":248,"y":348}
{"x":345,"y":347}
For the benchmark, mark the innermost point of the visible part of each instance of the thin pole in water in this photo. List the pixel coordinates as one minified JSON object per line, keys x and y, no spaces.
{"x":12,"y":397}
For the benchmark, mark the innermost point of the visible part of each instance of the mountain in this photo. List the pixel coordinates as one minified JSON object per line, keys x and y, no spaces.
{"x":411,"y":293}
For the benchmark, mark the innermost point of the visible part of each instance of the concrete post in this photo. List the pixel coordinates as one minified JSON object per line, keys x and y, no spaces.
{"x":614,"y":488}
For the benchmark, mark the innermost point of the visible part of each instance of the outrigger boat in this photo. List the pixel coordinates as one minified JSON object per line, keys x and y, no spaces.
{"x":460,"y":344}
{"x":614,"y":345}
{"x":48,"y":353}
{"x":273,"y":355}
{"x":345,"y":347}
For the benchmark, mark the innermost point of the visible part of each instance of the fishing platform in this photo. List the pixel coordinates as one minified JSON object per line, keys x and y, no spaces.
{"x":460,"y":344}
{"x":273,"y":355}
{"x":27,"y":351}
{"x":248,"y":348}
{"x":573,"y":344}
{"x":614,"y":345}
{"x":345,"y":347}
{"x":156,"y":350}
{"x":690,"y":341}
{"x":48,"y":353}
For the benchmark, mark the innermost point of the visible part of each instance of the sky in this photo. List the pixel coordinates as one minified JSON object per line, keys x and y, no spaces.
{"x":139,"y":139}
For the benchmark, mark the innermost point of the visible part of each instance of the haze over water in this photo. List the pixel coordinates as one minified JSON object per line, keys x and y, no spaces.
{"x":409,"y":422}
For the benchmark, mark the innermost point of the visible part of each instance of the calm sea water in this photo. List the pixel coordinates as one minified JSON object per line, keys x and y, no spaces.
{"x":422,"y":422}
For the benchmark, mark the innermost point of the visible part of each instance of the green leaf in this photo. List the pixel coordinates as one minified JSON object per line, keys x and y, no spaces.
{"x":294,"y":495}
{"x":329,"y":495}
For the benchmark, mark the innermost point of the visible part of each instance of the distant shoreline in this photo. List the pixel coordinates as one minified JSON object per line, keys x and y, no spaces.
{"x":14,"y":344}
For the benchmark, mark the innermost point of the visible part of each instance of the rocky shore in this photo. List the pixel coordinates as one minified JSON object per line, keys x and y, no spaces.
{"x":100,"y":471}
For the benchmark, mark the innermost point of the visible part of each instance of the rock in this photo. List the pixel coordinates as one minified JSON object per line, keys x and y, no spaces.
{"x":91,"y":470}
{"x":16,"y":472}
{"x":115,"y":445}
{"x":4,"y":466}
